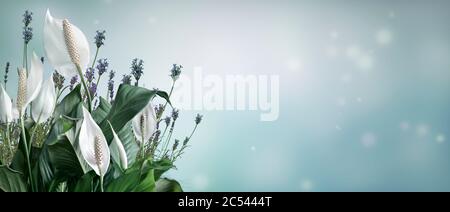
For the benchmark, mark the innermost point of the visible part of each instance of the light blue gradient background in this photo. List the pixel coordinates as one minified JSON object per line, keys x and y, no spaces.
{"x":367,"y":124}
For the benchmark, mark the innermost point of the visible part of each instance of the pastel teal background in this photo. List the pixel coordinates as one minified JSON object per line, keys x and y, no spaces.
{"x":364,"y":85}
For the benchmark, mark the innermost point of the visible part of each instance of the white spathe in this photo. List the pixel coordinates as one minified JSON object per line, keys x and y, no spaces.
{"x":118,"y":151}
{"x":34,"y":80}
{"x":144,"y":123}
{"x":6,"y":113}
{"x":45,"y":102}
{"x":89,"y":133}
{"x":56,"y":49}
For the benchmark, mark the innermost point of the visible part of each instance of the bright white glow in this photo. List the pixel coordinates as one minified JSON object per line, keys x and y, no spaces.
{"x":306,"y":185}
{"x":422,"y":130}
{"x":384,"y":37}
{"x":440,"y":138}
{"x":365,"y":62}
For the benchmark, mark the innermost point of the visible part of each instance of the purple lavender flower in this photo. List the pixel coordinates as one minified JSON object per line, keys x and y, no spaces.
{"x":126,"y":79}
{"x":58,"y":79}
{"x":27,"y":34}
{"x":102,"y":66}
{"x":137,"y":67}
{"x":27,"y":18}
{"x":100,"y":38}
{"x":186,"y":140}
{"x":175,"y":72}
{"x":175,"y":114}
{"x":73,"y":81}
{"x":167,"y":120}
{"x":175,"y":145}
{"x":112,"y":74}
{"x":198,"y":119}
{"x":93,"y":89}
{"x":5,"y":77}
{"x":90,"y":74}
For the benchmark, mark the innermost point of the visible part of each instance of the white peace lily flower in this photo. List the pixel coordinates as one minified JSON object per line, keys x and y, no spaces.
{"x":34,"y":79}
{"x":6,"y":113}
{"x":93,"y":145}
{"x":144,"y":123}
{"x":45,"y":102}
{"x":15,"y":112}
{"x":65,"y":46}
{"x":118,"y":151}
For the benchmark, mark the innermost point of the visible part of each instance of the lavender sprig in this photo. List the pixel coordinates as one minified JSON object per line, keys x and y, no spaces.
{"x":137,"y":67}
{"x":102,"y":66}
{"x":90,"y":75}
{"x":126,"y":79}
{"x":73,"y":81}
{"x":112,"y":74}
{"x":5,"y":77}
{"x":58,"y":79}
{"x":175,"y":72}
{"x":100,"y":38}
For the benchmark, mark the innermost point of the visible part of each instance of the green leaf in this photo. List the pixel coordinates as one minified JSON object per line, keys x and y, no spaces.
{"x":129,"y":143}
{"x":85,"y":183}
{"x":64,"y":159}
{"x":125,"y":183}
{"x":168,"y":185}
{"x":69,"y":103}
{"x":102,"y":111}
{"x":130,"y":100}
{"x":44,"y":166}
{"x":11,"y":180}
{"x":164,"y":95}
{"x":147,"y":183}
{"x":161,"y":167}
{"x":139,"y":178}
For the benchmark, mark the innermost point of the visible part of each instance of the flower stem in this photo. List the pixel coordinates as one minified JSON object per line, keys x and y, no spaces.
{"x":101,"y":178}
{"x":25,"y":56}
{"x":86,"y":89}
{"x":27,"y":154}
{"x":143,"y":146}
{"x":95,"y":58}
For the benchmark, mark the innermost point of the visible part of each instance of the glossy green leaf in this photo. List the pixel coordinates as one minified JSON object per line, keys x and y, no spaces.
{"x":161,"y":167}
{"x":129,"y":143}
{"x":168,"y":185}
{"x":69,"y":103}
{"x":85,"y":183}
{"x":102,"y":111}
{"x":11,"y":180}
{"x":130,"y":100}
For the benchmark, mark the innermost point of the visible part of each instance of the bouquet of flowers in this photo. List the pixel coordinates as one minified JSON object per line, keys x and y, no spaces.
{"x":67,"y":138}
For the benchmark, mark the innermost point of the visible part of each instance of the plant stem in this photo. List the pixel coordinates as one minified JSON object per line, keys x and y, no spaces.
{"x":86,"y":89}
{"x":143,"y":146}
{"x":95,"y":58}
{"x":25,"y":56}
{"x":165,"y":105}
{"x":27,"y":153}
